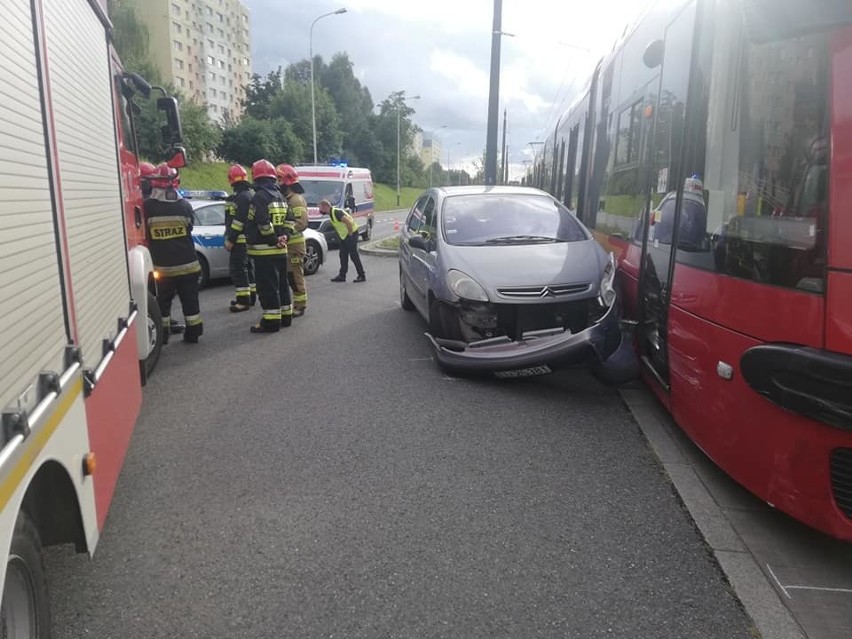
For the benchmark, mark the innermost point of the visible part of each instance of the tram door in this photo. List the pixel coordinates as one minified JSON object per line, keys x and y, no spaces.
{"x":665,"y":181}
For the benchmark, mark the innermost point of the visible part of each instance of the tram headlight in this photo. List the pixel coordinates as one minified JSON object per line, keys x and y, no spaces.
{"x":607,"y":290}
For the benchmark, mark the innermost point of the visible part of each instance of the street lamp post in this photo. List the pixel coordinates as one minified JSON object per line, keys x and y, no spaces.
{"x":432,"y":152}
{"x":493,"y":97}
{"x":311,"y":55}
{"x":398,"y":112}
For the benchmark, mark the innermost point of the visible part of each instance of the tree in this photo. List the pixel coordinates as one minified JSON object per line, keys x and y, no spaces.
{"x":253,"y":139}
{"x":293,"y":104}
{"x":260,"y":93}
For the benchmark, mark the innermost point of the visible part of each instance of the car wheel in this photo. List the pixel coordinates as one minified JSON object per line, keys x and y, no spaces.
{"x":442,"y":323}
{"x":311,"y":262}
{"x":25,"y":610}
{"x":368,"y":231}
{"x":204,"y":276}
{"x":404,"y":300}
{"x":155,"y":334}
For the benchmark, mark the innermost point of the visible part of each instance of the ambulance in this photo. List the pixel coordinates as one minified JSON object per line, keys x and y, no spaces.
{"x":345,"y":187}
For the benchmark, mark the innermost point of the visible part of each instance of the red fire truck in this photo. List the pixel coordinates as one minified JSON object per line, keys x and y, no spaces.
{"x":712,"y":153}
{"x":80,"y":330}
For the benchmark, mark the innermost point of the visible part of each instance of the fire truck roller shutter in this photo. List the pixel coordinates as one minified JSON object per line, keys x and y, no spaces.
{"x":90,"y":190}
{"x":32,"y":319}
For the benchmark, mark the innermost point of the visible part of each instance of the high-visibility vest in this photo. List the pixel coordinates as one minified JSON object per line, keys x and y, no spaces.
{"x":340,"y":227}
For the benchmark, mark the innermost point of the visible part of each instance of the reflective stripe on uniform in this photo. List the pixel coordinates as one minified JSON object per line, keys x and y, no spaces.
{"x":180,"y":269}
{"x":236,"y":225}
{"x":266,"y":229}
{"x":286,"y":311}
{"x":300,"y":297}
{"x":272,"y":315}
{"x":261,"y":250}
{"x":296,"y":238}
{"x":192,"y":320}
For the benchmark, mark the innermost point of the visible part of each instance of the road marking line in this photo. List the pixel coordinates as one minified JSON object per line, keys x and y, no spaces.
{"x":820,"y":588}
{"x":783,"y":589}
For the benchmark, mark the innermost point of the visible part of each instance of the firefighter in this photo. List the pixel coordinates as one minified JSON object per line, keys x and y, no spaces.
{"x":347,"y":231}
{"x":266,"y":244}
{"x":297,"y":222}
{"x":169,"y":220}
{"x":240,"y":266}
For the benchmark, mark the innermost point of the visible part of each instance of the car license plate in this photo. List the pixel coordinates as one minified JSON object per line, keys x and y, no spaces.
{"x":524,"y":372}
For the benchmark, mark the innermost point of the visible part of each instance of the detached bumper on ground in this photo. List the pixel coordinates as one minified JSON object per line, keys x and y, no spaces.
{"x":537,"y":353}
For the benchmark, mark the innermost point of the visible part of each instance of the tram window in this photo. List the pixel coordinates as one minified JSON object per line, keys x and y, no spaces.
{"x":765,"y":164}
{"x":629,"y":126}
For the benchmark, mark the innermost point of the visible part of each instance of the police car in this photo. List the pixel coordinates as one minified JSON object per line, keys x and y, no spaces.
{"x":208,"y":234}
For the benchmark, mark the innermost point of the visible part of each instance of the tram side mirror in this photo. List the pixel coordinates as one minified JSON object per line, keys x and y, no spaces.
{"x":773,"y":20}
{"x":653,"y":56}
{"x":171,"y":130}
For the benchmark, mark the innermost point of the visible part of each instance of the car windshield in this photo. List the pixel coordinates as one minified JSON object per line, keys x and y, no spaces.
{"x":508,"y":218}
{"x":316,"y":190}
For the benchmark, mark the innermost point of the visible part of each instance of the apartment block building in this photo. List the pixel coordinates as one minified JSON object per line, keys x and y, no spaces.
{"x":202,"y":47}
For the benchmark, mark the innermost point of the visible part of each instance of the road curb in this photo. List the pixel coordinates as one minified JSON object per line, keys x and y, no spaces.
{"x":371,"y":248}
{"x":762,"y":603}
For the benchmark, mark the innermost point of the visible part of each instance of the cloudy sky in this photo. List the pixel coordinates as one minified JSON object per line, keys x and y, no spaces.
{"x":441,"y":50}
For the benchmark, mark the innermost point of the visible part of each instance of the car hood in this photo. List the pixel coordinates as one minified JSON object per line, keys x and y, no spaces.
{"x":530,"y":265}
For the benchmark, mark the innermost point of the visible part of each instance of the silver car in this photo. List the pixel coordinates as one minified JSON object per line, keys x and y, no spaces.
{"x":510,"y":282}
{"x":209,"y":238}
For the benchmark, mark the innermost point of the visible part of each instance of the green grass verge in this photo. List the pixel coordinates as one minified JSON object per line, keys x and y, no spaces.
{"x":214,"y":176}
{"x":386,"y":197}
{"x":209,"y":176}
{"x":389,"y":243}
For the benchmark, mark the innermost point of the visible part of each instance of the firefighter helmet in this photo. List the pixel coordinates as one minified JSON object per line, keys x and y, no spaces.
{"x":164,"y":177}
{"x":287,"y":174}
{"x":237,"y":174}
{"x":261,"y":169}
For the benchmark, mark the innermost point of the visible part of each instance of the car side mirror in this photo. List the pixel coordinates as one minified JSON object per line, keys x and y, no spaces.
{"x":419,"y":242}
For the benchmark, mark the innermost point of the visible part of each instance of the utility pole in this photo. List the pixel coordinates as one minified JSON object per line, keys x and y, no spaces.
{"x":494,"y":97}
{"x":503,"y":154}
{"x":506,"y":165}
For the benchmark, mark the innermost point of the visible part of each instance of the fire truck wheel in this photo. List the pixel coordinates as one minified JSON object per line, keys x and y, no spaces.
{"x":25,"y":611}
{"x":154,"y":327}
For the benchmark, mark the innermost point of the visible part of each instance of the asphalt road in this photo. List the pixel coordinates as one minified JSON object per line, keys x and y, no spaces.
{"x":329,"y":481}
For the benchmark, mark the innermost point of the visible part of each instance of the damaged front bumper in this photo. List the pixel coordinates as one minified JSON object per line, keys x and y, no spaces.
{"x":537,"y":352}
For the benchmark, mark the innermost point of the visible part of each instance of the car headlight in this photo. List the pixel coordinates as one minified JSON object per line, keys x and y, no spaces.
{"x":608,"y":282}
{"x":465,"y":286}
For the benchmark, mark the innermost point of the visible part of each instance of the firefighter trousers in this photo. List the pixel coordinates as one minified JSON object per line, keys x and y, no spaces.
{"x":273,"y":291}
{"x":186,"y":288}
{"x":296,"y":276}
{"x":241,"y":270}
{"x":349,"y":249}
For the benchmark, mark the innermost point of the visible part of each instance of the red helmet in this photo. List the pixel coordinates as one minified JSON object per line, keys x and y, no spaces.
{"x":287,"y":174}
{"x":237,"y":174}
{"x":164,"y":177}
{"x":261,"y":169}
{"x":146,"y":170}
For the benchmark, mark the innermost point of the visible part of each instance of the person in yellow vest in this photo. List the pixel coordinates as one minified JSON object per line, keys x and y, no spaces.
{"x":296,"y":223}
{"x":347,"y":231}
